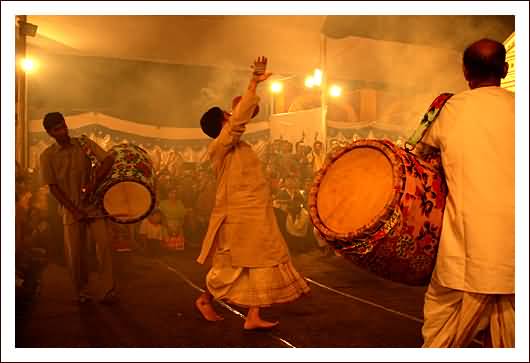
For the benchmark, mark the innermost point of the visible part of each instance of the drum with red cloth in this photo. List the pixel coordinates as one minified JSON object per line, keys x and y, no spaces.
{"x":381,"y":207}
{"x":127,"y":194}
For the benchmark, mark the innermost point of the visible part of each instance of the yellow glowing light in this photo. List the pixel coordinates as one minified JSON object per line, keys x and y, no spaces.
{"x":317,"y":77}
{"x":335,"y":91}
{"x":309,"y":82}
{"x":28,"y":65}
{"x":276,"y":87}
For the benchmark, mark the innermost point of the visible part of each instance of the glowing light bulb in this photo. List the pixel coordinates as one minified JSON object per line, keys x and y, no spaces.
{"x":28,"y":65}
{"x":335,"y":91}
{"x":276,"y":87}
{"x":309,"y":82}
{"x":317,"y":77}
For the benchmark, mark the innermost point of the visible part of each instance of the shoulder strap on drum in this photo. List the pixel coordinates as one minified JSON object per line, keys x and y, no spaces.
{"x":83,"y":141}
{"x":427,"y":120}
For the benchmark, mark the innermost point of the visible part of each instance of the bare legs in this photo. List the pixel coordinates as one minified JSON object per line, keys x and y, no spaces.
{"x":204,"y":305}
{"x":252,"y":320}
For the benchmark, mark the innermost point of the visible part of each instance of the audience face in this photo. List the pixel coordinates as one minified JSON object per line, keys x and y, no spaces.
{"x":172,"y":194}
{"x":307,"y":184}
{"x":299,"y":149}
{"x":290,"y":183}
{"x":284,"y":147}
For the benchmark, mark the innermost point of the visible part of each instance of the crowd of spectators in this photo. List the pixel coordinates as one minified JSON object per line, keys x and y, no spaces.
{"x":36,"y":232}
{"x":185,"y":198}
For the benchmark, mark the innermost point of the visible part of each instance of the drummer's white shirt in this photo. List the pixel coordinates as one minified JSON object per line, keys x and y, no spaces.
{"x":69,"y":168}
{"x":475,"y":132}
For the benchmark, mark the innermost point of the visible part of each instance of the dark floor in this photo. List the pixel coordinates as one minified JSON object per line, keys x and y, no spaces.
{"x":156,"y":309}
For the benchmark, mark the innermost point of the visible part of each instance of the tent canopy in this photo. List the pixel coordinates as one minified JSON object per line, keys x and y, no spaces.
{"x":221,"y":41}
{"x":446,"y":31}
{"x":293,"y":43}
{"x":414,"y":54}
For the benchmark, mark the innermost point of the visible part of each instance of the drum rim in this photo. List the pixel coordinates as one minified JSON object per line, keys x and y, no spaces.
{"x":366,"y":232}
{"x":129,"y":179}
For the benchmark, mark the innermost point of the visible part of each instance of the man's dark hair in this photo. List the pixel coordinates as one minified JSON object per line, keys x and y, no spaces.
{"x":212,"y":122}
{"x":485,"y":59}
{"x":52,"y":119}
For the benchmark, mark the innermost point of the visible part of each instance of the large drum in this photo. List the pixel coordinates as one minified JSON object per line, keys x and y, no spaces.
{"x":381,"y":207}
{"x":127,"y":194}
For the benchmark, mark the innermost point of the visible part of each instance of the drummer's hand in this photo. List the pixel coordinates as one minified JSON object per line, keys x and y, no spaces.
{"x":86,"y":192}
{"x":89,"y":188}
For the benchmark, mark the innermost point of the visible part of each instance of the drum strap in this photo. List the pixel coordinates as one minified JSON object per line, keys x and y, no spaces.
{"x":427,"y":120}
{"x":83,"y":141}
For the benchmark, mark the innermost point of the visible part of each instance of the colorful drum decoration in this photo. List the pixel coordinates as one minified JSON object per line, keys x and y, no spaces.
{"x":127,"y":194}
{"x":381,"y":207}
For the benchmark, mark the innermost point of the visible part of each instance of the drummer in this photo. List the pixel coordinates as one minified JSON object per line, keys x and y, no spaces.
{"x":67,"y":170}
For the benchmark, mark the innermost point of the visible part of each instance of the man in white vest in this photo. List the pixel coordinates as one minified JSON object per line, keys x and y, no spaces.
{"x":472,"y":287}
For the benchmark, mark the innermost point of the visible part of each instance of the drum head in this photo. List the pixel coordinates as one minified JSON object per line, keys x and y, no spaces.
{"x":355,"y":189}
{"x":127,"y":200}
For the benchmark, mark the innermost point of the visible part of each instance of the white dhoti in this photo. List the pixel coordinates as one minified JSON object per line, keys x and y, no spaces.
{"x":252,"y":287}
{"x":453,"y":318}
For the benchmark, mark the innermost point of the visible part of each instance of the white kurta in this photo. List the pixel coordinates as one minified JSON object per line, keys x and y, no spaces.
{"x":475,"y":132}
{"x":243,"y":203}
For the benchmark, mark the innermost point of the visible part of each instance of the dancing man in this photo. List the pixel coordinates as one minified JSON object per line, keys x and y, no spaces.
{"x":251,"y":266}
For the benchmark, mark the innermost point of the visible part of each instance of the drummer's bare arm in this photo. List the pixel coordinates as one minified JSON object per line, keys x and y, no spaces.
{"x":97,"y":150}
{"x":104,"y":169}
{"x":106,"y":161}
{"x":430,"y":140}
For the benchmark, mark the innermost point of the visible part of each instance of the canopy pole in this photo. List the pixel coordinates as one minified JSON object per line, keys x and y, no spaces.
{"x":323,"y":90}
{"x":21,"y":94}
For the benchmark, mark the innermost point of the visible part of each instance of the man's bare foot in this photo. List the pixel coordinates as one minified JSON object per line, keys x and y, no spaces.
{"x":206,"y":309}
{"x":259,"y":324}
